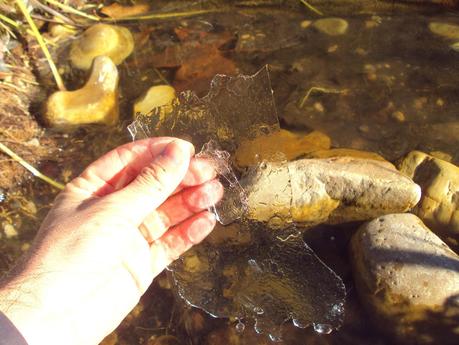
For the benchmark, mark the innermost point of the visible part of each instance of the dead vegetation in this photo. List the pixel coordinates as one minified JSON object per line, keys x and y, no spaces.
{"x":19,"y":130}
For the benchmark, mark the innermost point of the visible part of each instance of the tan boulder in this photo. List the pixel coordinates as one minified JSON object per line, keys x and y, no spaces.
{"x":113,"y":41}
{"x":95,"y":102}
{"x":439,"y":180}
{"x":313,"y":191}
{"x":278,"y":146}
{"x":407,"y":279}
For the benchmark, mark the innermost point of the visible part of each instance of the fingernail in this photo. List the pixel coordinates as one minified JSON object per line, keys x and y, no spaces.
{"x":178,"y":151}
{"x":201,"y":228}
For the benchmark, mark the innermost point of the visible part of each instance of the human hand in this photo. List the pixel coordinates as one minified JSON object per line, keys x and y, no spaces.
{"x":110,"y":232}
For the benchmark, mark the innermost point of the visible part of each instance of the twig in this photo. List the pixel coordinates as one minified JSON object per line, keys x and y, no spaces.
{"x":312,"y":8}
{"x":319,"y":89}
{"x":30,"y":168}
{"x":160,"y":75}
{"x":7,"y":29}
{"x":54,"y":13}
{"x":162,"y":15}
{"x":8,"y":20}
{"x":14,"y":24}
{"x":72,"y":10}
{"x":41,"y":42}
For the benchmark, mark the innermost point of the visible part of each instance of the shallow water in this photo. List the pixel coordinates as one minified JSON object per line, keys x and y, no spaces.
{"x":388,"y":85}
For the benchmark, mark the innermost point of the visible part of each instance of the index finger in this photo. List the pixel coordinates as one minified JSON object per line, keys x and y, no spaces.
{"x":119,"y":166}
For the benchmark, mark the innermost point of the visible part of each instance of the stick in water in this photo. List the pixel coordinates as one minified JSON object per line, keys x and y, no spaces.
{"x":30,"y":168}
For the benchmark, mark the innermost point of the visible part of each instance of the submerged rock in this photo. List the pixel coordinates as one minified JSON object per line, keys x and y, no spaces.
{"x":116,"y":42}
{"x":446,"y":30}
{"x":346,"y":153}
{"x":313,"y":191}
{"x":439,"y":180}
{"x":278,"y":146}
{"x":331,"y":26}
{"x":408,"y":279}
{"x":163,"y":340}
{"x":157,"y":96}
{"x":442,"y":155}
{"x":95,"y":102}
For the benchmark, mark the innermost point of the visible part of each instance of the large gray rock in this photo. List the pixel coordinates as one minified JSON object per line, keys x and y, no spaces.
{"x":335,"y":190}
{"x":407,"y":279}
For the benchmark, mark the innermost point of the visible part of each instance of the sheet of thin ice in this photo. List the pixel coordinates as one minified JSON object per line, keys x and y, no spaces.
{"x":235,"y":108}
{"x":234,"y":203}
{"x":245,"y":271}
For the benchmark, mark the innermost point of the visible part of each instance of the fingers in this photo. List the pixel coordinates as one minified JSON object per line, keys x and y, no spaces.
{"x":120,"y":166}
{"x":200,"y":171}
{"x":179,"y":239}
{"x":179,"y":207}
{"x":155,"y":182}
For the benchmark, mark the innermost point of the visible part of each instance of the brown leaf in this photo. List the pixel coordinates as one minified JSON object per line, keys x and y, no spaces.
{"x":201,"y":59}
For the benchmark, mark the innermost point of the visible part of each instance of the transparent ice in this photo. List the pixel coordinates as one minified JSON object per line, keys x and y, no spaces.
{"x":244,"y":269}
{"x":247,"y":271}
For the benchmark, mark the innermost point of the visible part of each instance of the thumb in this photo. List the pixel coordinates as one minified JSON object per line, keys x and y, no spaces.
{"x":156,"y":181}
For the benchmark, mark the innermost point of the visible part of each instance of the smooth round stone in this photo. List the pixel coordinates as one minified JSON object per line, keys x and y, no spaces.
{"x":279,"y":146}
{"x":116,"y":42}
{"x":439,"y":180}
{"x":95,"y":102}
{"x":331,"y":26}
{"x":407,"y":279}
{"x":334,"y":190}
{"x":158,"y":96}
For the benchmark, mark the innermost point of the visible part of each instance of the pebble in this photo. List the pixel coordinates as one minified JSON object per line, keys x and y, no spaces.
{"x":95,"y":102}
{"x":305,"y":24}
{"x":455,"y":46}
{"x":439,"y":180}
{"x":442,"y":155}
{"x":319,"y":107}
{"x":398,"y":116}
{"x":115,"y":42}
{"x":163,"y":340}
{"x":407,"y":279}
{"x":159,"y":96}
{"x":450,"y":31}
{"x":9,"y":230}
{"x":331,"y":26}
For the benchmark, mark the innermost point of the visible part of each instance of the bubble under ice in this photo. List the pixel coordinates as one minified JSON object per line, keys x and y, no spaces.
{"x":243,"y":270}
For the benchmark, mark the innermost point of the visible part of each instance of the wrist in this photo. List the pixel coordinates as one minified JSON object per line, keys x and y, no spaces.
{"x":26,"y":315}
